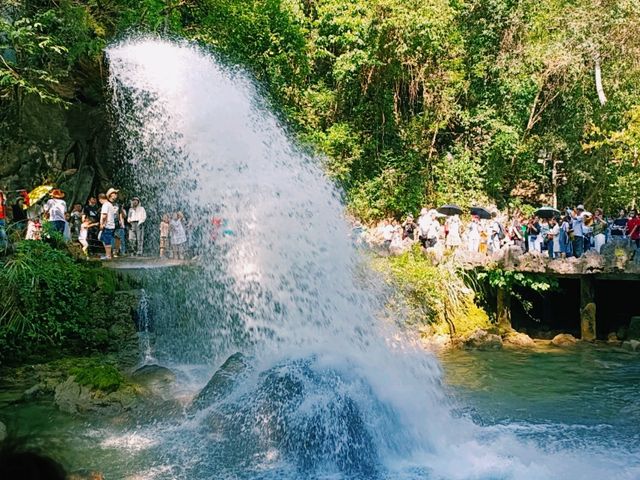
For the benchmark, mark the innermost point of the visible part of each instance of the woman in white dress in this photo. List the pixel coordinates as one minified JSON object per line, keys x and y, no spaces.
{"x":453,"y":232}
{"x":178,"y":235}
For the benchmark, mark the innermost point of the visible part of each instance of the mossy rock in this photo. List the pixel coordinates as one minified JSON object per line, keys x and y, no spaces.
{"x":106,"y":378}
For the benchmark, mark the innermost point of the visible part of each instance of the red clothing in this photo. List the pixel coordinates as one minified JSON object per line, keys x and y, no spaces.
{"x":3,"y":207}
{"x":631,"y":224}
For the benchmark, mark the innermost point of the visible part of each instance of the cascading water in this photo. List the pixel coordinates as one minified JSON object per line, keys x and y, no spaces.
{"x":324,"y":389}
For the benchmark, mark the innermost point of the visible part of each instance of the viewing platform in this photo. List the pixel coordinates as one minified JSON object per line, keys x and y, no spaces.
{"x":145,"y":263}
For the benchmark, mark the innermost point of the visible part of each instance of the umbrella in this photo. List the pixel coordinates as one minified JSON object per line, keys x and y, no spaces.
{"x":481,"y":212}
{"x":38,"y":193}
{"x":547,"y":212}
{"x":450,"y":210}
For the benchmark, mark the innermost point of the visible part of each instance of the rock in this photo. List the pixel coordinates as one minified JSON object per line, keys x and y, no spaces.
{"x":222,"y":381}
{"x":563,"y":340}
{"x":588,"y":322}
{"x":85,"y":475}
{"x":517,"y":339}
{"x":155,"y":378}
{"x":631,"y":345}
{"x":3,"y":431}
{"x":482,"y":340}
{"x":634,"y":328}
{"x":153,"y":373}
{"x":36,"y":391}
{"x":622,"y":333}
{"x":612,"y":338}
{"x":437,"y":342}
{"x":71,"y":397}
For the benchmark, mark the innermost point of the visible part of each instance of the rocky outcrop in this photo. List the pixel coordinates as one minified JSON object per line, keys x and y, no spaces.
{"x":517,"y":339}
{"x":564,"y":340}
{"x":631,"y":345}
{"x":633,"y":332}
{"x":222,"y":381}
{"x":71,"y":397}
{"x":482,"y":340}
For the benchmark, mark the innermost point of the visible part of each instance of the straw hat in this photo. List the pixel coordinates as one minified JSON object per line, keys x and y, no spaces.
{"x":56,"y":193}
{"x":111,"y":191}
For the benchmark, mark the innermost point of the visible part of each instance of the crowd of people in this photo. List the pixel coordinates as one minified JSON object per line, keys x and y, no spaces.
{"x":105,"y":226}
{"x":570,"y":233}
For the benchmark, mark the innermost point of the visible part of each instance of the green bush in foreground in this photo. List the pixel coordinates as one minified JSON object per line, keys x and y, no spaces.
{"x":51,"y":301}
{"x":436,"y":295}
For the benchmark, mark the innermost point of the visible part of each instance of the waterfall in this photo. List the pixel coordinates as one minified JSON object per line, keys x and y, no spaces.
{"x":330,"y":387}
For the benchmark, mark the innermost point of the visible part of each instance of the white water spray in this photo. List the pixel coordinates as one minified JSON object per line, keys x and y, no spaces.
{"x":282,"y":282}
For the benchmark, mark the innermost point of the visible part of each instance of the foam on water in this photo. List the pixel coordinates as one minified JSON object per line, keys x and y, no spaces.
{"x":285,"y":285}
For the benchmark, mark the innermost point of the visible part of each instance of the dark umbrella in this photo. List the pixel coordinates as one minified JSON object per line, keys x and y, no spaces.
{"x":547,"y":212}
{"x":481,"y":212}
{"x":449,"y":210}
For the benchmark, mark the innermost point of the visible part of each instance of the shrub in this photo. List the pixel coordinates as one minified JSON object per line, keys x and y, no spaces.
{"x":50,"y":300}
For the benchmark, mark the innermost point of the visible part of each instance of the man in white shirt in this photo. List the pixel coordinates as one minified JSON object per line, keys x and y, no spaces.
{"x":136,"y":218}
{"x":107,"y":220}
{"x":55,"y":209}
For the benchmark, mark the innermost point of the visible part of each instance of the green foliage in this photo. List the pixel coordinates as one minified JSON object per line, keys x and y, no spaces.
{"x":435,"y":294}
{"x":50,"y":300}
{"x":508,"y":279}
{"x":411,"y":102}
{"x":99,"y":376}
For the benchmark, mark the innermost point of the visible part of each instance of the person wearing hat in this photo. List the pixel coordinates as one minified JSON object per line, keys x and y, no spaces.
{"x":56,"y":210}
{"x":577,"y":226}
{"x":136,"y":218}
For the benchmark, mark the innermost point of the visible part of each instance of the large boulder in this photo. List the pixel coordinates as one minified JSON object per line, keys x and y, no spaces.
{"x":517,"y":339}
{"x":482,"y":340}
{"x":221,"y":383}
{"x":71,"y":397}
{"x":564,"y":340}
{"x":633,"y":331}
{"x":631,"y":345}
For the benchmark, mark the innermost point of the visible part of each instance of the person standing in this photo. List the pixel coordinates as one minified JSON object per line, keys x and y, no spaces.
{"x":553,"y":243}
{"x":473,"y":234}
{"x":165,"y":227}
{"x":91,"y":212}
{"x":633,"y":227}
{"x":75,"y":220}
{"x":453,"y":239}
{"x":107,"y":221}
{"x":619,"y":226}
{"x":3,"y":221}
{"x":56,"y":210}
{"x":577,"y":226}
{"x":178,"y":236}
{"x":599,"y":230}
{"x":136,"y":218}
{"x":119,"y":244}
{"x":564,"y":239}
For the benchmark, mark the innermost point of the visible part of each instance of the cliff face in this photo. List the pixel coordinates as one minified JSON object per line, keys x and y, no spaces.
{"x":68,"y":146}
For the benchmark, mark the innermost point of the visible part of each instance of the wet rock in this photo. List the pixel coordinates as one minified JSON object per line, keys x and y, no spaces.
{"x":631,"y":345}
{"x":85,"y":475}
{"x":3,"y":431}
{"x":613,"y":338}
{"x":71,"y":397}
{"x":155,"y":379}
{"x":38,"y":390}
{"x":437,"y":342}
{"x":153,"y":374}
{"x":221,"y":383}
{"x":517,"y":339}
{"x":634,"y":328}
{"x":563,"y":340}
{"x":482,"y":340}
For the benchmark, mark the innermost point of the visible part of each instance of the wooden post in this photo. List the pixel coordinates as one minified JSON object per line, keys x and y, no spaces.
{"x":503,"y":309}
{"x":587,"y":308}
